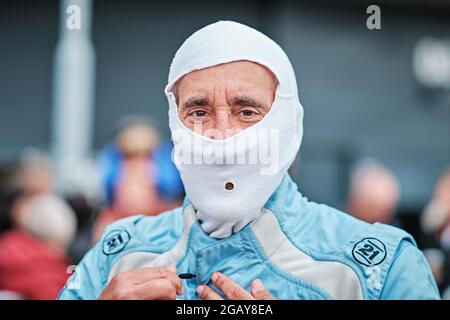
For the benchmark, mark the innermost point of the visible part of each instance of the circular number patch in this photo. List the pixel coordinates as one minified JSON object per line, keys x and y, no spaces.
{"x":115,"y":241}
{"x":369,"y":252}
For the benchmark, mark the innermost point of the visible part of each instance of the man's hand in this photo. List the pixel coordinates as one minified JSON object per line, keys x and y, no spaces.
{"x":232,"y":290}
{"x":144,"y":284}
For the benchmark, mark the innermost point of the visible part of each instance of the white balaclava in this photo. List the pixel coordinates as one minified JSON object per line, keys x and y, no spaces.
{"x":229,"y":181}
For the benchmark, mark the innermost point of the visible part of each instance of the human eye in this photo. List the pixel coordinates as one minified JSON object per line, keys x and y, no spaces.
{"x":248,"y":115}
{"x":198,"y":115}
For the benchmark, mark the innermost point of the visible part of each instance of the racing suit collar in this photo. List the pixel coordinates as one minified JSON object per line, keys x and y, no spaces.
{"x":279,"y":201}
{"x":211,"y":253}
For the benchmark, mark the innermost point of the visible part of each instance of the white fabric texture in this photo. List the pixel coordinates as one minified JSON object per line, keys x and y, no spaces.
{"x":223,"y":212}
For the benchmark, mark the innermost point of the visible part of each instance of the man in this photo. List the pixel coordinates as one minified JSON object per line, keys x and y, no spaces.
{"x":244,"y":231}
{"x":435,"y":218}
{"x":374,"y":193}
{"x":33,"y":254}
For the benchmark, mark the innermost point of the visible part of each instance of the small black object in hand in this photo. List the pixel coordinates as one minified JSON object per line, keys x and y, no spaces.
{"x":186,"y":275}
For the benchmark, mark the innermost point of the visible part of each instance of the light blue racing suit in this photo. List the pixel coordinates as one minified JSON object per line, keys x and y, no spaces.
{"x":299,"y":249}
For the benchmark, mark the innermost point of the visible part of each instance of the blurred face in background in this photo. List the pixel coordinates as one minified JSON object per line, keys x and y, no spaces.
{"x":136,"y":193}
{"x":374,"y":194}
{"x":220,"y":101}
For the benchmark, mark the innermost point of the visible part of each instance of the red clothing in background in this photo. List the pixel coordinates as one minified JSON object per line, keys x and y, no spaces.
{"x":30,"y":267}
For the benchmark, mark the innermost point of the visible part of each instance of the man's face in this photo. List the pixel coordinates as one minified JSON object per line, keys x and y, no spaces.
{"x":220,"y":101}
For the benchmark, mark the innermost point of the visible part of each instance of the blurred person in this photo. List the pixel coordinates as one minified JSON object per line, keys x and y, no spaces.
{"x":138,"y":174}
{"x":34,"y":174}
{"x":435,"y":222}
{"x":244,"y":230}
{"x":33,"y":259}
{"x":374,"y":193}
{"x":8,"y":199}
{"x":435,"y":218}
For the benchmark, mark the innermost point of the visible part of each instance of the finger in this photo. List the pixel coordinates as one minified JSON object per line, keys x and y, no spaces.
{"x":158,"y":289}
{"x":151,"y":290}
{"x":259,"y":291}
{"x":142,"y":275}
{"x":230,"y":288}
{"x":175,"y":280}
{"x":206,"y":293}
{"x":173,"y":269}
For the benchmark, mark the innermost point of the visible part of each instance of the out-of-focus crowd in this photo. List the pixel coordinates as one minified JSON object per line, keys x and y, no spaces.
{"x":44,"y":234}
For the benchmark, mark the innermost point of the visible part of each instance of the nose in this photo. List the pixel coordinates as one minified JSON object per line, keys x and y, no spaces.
{"x":223,"y":126}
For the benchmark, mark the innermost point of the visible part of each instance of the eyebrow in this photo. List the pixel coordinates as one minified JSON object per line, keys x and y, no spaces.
{"x":247,"y":101}
{"x":196,"y":102}
{"x":238,"y":101}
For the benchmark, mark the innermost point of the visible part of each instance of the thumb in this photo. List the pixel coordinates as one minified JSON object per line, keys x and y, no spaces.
{"x":259,"y":292}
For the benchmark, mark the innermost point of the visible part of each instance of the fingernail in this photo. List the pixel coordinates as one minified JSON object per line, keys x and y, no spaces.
{"x":258,"y":285}
{"x":214,"y":276}
{"x":200,"y":290}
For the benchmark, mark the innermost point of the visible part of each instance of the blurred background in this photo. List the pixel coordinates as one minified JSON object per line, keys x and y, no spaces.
{"x":84,"y":137}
